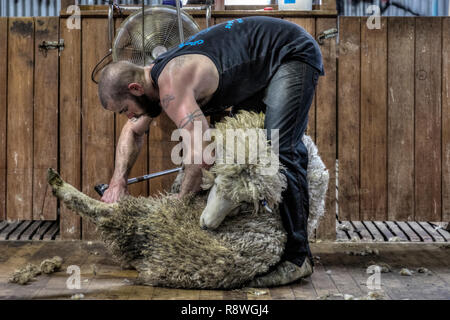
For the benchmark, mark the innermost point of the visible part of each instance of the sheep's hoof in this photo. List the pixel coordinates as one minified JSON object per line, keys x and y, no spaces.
{"x":53,"y":178}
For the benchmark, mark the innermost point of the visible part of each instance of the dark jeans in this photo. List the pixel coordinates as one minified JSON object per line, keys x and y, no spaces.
{"x":287,"y":100}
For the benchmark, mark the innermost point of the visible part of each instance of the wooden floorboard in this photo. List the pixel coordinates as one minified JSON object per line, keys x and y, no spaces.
{"x":381,"y":226}
{"x":423,"y":235}
{"x":362,"y":230}
{"x":31,"y":230}
{"x":336,"y":274}
{"x":42,"y":230}
{"x":341,"y":278}
{"x":412,"y":236}
{"x":322,"y":282}
{"x":430,"y":287}
{"x":51,"y":233}
{"x":432,"y":232}
{"x":3,"y":225}
{"x":437,"y":226}
{"x":354,"y":231}
{"x":376,"y":234}
{"x":282,"y":293}
{"x":15,"y":235}
{"x":6,"y":232}
{"x":396,"y":230}
{"x":304,"y":290}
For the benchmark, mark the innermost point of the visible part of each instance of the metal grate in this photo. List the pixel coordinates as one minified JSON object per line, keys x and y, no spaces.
{"x":406,"y":231}
{"x":29,"y":230}
{"x":392,"y":231}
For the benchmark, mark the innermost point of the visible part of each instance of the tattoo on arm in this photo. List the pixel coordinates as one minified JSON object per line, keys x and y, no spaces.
{"x":190,"y":117}
{"x":166,"y":100}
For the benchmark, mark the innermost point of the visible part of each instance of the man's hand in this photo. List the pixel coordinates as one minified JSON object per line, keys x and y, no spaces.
{"x":192,"y":180}
{"x":115,"y":192}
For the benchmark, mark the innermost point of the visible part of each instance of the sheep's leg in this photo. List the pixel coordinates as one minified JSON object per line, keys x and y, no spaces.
{"x":76,"y":200}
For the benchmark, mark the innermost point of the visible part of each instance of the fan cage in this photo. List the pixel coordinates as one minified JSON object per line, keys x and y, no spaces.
{"x":160,"y":34}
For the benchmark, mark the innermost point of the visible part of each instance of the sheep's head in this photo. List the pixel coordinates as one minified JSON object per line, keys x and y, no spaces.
{"x":232,"y":181}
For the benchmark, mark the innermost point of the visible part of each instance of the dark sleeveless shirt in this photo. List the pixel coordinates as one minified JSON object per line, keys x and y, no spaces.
{"x":246,"y":52}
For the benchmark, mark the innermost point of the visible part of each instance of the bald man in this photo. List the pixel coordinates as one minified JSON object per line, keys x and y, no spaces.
{"x":258,"y":63}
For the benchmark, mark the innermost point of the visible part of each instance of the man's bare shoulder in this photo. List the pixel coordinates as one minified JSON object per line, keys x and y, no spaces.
{"x":187,"y":64}
{"x":196,"y":71}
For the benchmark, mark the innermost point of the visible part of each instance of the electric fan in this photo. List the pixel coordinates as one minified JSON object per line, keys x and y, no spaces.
{"x":146,"y":34}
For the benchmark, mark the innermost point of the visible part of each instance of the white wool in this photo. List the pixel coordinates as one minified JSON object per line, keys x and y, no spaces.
{"x":317,"y":177}
{"x":245,"y":183}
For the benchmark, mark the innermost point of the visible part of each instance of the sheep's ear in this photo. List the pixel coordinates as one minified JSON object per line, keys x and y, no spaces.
{"x":207,"y":179}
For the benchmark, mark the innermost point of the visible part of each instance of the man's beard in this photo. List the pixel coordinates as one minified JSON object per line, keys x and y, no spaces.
{"x":151,"y":108}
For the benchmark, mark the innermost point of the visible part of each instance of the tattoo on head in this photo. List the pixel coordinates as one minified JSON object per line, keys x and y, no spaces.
{"x":166,"y":100}
{"x":190,"y":117}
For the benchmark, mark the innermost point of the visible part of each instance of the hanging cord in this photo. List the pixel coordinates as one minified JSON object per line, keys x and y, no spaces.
{"x":116,"y":7}
{"x":94,"y":72}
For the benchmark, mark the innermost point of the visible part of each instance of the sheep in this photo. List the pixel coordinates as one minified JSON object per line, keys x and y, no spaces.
{"x":232,"y":184}
{"x":237,"y":184}
{"x":161,"y":238}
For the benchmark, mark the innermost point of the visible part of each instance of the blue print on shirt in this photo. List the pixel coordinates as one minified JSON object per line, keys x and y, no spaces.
{"x":198,"y":33}
{"x":230,"y":23}
{"x":195,"y":43}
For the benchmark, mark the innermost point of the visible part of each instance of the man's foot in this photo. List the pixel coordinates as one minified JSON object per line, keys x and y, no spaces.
{"x":286,"y":272}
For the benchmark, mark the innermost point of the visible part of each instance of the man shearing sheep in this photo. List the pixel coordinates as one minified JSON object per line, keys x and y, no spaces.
{"x":260,"y":63}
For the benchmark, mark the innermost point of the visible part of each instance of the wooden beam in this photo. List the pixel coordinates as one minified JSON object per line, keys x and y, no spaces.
{"x":400,"y":116}
{"x":45,"y":117}
{"x":349,"y":86}
{"x":428,"y":119}
{"x":66,"y":3}
{"x":326,"y":126}
{"x":328,"y":5}
{"x":3,"y":112}
{"x":70,"y":124}
{"x":19,"y":132}
{"x":99,"y":11}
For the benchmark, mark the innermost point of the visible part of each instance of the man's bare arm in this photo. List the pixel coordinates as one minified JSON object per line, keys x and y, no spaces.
{"x":184,"y":111}
{"x":181,"y":83}
{"x":193,"y":171}
{"x":128,"y":147}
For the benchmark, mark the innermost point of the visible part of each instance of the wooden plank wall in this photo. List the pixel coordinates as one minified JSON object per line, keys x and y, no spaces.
{"x":98,"y":126}
{"x":45,"y":117}
{"x":3,"y":111}
{"x":393,"y":111}
{"x":393,"y":139}
{"x":29,"y":117}
{"x":70,"y":124}
{"x":89,"y":133}
{"x":446,"y":119}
